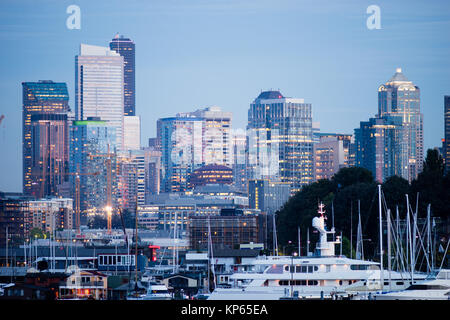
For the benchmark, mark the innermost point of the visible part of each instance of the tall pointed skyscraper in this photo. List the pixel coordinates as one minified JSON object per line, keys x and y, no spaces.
{"x":400,"y":98}
{"x":126,"y":48}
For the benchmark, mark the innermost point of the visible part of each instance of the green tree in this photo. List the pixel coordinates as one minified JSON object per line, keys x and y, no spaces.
{"x":37,"y":233}
{"x":395,"y":189}
{"x":432,"y":187}
{"x":348,"y":176}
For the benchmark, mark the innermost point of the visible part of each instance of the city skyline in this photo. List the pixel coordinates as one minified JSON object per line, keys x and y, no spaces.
{"x":161,"y":94}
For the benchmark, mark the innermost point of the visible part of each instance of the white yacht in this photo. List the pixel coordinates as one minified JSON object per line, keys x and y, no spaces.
{"x":319,"y":276}
{"x":155,"y":291}
{"x":436,"y":288}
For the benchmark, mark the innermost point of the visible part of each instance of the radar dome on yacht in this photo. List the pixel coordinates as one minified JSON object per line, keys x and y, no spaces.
{"x":318,"y":223}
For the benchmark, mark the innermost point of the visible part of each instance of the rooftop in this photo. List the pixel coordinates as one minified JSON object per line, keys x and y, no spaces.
{"x":270,"y":95}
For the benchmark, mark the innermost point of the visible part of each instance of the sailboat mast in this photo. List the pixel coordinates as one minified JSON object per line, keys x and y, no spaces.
{"x":411,"y":258}
{"x":389,"y":246}
{"x":429,"y":236}
{"x":381,"y":237}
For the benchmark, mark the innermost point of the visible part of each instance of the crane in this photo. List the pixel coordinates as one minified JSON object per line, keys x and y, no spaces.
{"x":108,"y":207}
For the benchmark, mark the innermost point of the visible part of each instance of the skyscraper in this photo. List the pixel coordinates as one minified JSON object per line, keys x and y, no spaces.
{"x":181,"y":141}
{"x":280,"y":146}
{"x":91,"y":140}
{"x":45,"y":136}
{"x":191,"y":140}
{"x":99,"y":89}
{"x":126,"y":48}
{"x":378,"y":145}
{"x":131,"y":179}
{"x":447,"y":134}
{"x":216,"y":142}
{"x":400,"y":98}
{"x":239,"y":147}
{"x":329,"y":157}
{"x":131,"y":133}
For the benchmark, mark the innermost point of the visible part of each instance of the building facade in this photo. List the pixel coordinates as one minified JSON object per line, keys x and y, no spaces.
{"x":99,"y":78}
{"x":399,"y":98}
{"x":92,"y":149}
{"x":131,"y":133}
{"x":216,"y":140}
{"x":280,"y":140}
{"x":377,"y":146}
{"x":127,"y":49}
{"x":211,"y":174}
{"x":45,"y":136}
{"x":50,"y":214}
{"x":268,"y":196}
{"x":447,"y":133}
{"x":181,"y":141}
{"x":13,"y":225}
{"x":329,"y":157}
{"x":227,"y":230}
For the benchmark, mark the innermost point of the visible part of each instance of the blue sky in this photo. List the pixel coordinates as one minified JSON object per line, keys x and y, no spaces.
{"x":197,"y":53}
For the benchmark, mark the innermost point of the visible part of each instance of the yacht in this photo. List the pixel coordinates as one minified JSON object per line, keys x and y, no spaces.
{"x":436,"y":288}
{"x":155,"y":291}
{"x":321,"y":275}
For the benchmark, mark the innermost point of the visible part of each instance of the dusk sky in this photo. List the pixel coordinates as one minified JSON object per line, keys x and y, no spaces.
{"x":192,"y":54}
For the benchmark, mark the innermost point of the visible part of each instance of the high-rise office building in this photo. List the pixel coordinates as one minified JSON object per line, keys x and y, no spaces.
{"x":378,"y":147}
{"x":400,"y":98}
{"x":181,"y":141}
{"x":99,"y":77}
{"x":280,"y":140}
{"x":126,"y":48}
{"x":152,"y":170}
{"x":191,"y":140}
{"x":45,"y":136}
{"x":131,"y":179}
{"x":92,"y":148}
{"x":329,"y":157}
{"x":447,"y":133}
{"x":131,"y":133}
{"x":347,"y":141}
{"x":239,"y":147}
{"x":216,"y":142}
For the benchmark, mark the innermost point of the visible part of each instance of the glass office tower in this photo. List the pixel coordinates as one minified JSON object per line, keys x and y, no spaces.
{"x":379,"y":147}
{"x":90,"y":142}
{"x":181,"y":141}
{"x":45,"y":136}
{"x":280,"y":140}
{"x":126,"y":48}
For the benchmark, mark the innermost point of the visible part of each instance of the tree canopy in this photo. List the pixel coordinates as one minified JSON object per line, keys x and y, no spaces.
{"x":353,"y":188}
